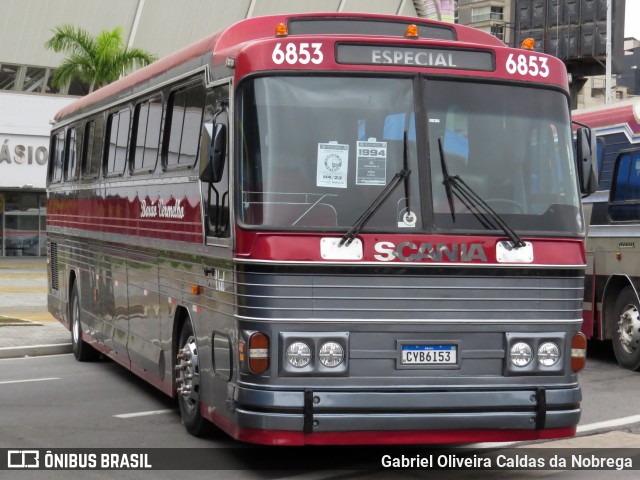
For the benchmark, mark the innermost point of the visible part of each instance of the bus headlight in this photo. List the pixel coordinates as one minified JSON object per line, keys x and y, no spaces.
{"x":331,"y":354}
{"x":548,"y":354}
{"x":299,"y":354}
{"x":521,"y":354}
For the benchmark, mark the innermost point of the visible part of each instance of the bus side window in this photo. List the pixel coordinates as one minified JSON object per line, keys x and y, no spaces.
{"x":217,"y":197}
{"x":93,"y":147}
{"x":147,"y":120}
{"x":74,"y":150}
{"x":625,"y":193}
{"x":182,"y":129}
{"x":116,"y":155}
{"x":56,"y":157}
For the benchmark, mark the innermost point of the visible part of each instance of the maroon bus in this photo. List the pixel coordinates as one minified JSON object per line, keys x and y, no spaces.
{"x":330,"y":229}
{"x":613,"y":215}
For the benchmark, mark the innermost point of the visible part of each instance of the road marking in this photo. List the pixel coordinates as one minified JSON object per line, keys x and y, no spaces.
{"x":45,"y":357}
{"x":31,"y":380}
{"x":616,"y":422}
{"x":143,"y":414}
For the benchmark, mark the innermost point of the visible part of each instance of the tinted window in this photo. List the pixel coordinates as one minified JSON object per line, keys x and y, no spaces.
{"x":185,"y":121}
{"x":118,"y":140}
{"x":74,"y":149}
{"x":56,"y":157}
{"x":148,"y":119}
{"x":625,"y":194}
{"x":92,"y":151}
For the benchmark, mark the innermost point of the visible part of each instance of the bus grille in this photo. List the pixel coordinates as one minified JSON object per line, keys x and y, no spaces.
{"x":410,"y":294}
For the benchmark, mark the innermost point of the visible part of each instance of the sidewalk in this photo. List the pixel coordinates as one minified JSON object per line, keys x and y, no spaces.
{"x":26,"y":327}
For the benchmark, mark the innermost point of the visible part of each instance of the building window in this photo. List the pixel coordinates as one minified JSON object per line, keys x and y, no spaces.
{"x":49,"y":88}
{"x":34,"y":79}
{"x":498,"y":31}
{"x":483,"y":14}
{"x":78,"y":87}
{"x":8,"y":76}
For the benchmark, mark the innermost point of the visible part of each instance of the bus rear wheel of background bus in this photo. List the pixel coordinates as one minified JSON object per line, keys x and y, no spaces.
{"x":626,"y":330}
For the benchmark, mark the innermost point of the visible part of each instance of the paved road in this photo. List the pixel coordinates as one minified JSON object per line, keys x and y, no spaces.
{"x":54,"y":401}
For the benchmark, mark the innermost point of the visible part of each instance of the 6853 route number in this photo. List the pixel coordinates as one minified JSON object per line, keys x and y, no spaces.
{"x":293,"y":53}
{"x":527,"y":65}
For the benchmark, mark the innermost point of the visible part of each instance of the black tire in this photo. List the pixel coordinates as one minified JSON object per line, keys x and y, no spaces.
{"x":189,"y":401}
{"x":81,"y":349}
{"x":626,"y":329}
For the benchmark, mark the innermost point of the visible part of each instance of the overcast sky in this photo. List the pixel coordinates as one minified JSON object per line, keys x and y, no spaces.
{"x":632,"y":19}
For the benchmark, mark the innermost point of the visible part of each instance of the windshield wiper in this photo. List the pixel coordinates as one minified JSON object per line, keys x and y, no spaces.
{"x":447,"y":179}
{"x":403,"y":174}
{"x":473,"y":201}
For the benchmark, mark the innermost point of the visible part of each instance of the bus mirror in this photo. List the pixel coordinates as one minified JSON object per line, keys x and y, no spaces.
{"x":586,"y":150}
{"x":213,"y":167}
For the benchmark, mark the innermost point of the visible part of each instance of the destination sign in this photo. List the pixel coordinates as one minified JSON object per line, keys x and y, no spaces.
{"x":415,"y":57}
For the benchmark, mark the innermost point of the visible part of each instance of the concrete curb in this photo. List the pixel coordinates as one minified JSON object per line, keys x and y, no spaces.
{"x":35,"y":350}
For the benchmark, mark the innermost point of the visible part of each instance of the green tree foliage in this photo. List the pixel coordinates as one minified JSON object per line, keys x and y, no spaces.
{"x":96,"y":61}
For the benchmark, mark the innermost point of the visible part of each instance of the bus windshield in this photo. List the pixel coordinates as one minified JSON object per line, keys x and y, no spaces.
{"x":316,"y":152}
{"x":512,"y":146}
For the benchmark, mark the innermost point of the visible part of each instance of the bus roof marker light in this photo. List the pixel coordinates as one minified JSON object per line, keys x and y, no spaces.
{"x":411,"y":31}
{"x":528,"y":44}
{"x":282,"y":30}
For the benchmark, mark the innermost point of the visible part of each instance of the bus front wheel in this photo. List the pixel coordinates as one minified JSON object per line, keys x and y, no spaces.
{"x":188,"y":382}
{"x":626,"y":331}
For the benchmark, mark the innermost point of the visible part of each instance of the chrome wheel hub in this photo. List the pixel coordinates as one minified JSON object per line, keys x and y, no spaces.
{"x":76,"y":322}
{"x":629,"y":329}
{"x":188,"y":373}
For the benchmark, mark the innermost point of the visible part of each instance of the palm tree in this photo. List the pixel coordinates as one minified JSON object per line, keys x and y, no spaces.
{"x":95,"y":61}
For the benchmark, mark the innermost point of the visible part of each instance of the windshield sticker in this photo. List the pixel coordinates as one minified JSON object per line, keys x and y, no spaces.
{"x":371,"y":163}
{"x":333,"y":165}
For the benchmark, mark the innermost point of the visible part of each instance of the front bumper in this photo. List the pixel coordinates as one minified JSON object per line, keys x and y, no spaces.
{"x":424,"y":416}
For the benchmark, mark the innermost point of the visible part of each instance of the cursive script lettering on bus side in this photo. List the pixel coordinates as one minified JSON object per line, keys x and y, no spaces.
{"x":161,"y":210}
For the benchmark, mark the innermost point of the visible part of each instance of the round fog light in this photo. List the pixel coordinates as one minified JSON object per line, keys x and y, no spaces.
{"x":331,"y":354}
{"x":299,"y":354}
{"x":548,"y":354}
{"x":520,"y":354}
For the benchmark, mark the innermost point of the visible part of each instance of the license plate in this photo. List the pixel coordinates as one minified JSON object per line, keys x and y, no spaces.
{"x":429,"y":354}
